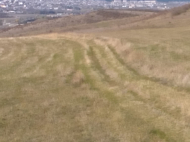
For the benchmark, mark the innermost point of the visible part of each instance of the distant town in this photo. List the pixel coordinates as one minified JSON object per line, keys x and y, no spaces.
{"x":15,"y":12}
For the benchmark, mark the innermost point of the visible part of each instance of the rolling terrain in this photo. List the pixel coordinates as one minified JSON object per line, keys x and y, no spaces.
{"x":98,"y":19}
{"x":113,"y":81}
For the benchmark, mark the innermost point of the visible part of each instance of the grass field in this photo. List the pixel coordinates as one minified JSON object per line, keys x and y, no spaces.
{"x":68,"y":87}
{"x":128,"y":84}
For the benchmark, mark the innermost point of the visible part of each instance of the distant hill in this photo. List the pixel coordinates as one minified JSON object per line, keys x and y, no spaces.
{"x":78,"y":22}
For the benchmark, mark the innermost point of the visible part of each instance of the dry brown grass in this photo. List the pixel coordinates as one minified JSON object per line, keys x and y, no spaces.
{"x":180,"y":10}
{"x":75,"y":87}
{"x":75,"y":23}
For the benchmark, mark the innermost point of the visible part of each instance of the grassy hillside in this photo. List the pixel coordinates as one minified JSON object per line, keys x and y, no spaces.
{"x":126,"y":83}
{"x":73,"y":88}
{"x":96,"y":19}
{"x":159,"y":47}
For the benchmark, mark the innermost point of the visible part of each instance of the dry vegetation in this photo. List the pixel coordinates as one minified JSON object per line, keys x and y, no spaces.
{"x":75,"y":23}
{"x":128,"y":84}
{"x":180,"y":10}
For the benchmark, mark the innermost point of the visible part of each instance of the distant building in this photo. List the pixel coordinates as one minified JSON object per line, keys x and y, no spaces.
{"x":150,"y":1}
{"x":116,"y":1}
{"x":147,"y":1}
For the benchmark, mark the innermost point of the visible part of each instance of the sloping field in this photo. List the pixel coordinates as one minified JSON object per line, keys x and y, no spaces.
{"x":78,"y":88}
{"x":118,"y":80}
{"x":157,"y":47}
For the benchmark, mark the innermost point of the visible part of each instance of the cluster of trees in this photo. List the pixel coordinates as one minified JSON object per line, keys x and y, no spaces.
{"x":36,"y":11}
{"x":47,"y":12}
{"x":4,"y":15}
{"x":1,"y":22}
